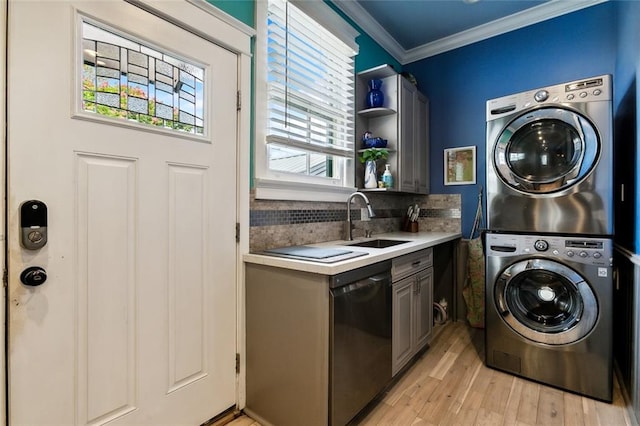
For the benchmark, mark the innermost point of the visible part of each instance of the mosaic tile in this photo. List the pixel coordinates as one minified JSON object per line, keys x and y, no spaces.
{"x":286,"y":223}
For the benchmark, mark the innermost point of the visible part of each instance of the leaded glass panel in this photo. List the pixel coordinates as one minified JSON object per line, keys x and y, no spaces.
{"x":124,"y":79}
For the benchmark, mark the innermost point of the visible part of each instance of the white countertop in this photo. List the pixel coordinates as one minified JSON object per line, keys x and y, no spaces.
{"x":417,"y":241}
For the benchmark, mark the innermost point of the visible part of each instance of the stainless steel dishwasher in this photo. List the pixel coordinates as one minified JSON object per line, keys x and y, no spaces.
{"x":360,"y":344}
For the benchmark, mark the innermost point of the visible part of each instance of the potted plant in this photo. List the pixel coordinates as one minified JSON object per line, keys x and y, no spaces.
{"x":368,"y":157}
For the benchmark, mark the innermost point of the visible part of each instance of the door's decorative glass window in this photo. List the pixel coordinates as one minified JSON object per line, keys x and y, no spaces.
{"x":125,"y":79}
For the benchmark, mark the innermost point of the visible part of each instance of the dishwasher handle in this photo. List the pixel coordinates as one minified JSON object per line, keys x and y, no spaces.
{"x":374,"y":280}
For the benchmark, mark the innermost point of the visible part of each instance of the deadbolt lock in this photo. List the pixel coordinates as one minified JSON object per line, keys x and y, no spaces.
{"x":33,"y":224}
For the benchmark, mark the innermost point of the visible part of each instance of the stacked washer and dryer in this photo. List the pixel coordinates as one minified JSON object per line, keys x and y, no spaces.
{"x":548,"y":244}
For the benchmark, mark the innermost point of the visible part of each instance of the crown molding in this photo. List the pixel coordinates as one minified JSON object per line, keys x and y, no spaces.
{"x":534,"y":15}
{"x":543,"y":12}
{"x":371,"y":27}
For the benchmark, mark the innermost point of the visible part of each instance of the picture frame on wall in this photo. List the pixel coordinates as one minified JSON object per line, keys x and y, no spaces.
{"x":460,"y":166}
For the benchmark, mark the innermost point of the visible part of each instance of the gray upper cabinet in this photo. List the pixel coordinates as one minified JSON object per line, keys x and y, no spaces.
{"x":403,"y":121}
{"x":414,"y":111}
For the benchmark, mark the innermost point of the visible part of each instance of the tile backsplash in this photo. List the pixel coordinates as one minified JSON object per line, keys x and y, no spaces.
{"x":289,"y":223}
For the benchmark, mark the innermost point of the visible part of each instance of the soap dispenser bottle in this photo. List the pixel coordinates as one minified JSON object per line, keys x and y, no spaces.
{"x":387,"y":177}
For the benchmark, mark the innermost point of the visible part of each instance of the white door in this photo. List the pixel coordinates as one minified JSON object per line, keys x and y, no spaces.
{"x":136,"y":322}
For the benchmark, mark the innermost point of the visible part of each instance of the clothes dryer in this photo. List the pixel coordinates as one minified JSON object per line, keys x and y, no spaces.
{"x":549,"y":310}
{"x":550,"y":158}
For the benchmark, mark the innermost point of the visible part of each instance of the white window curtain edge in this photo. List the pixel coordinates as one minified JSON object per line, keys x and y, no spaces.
{"x":331,"y":20}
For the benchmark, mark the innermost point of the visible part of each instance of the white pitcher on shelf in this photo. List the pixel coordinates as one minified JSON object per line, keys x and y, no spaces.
{"x":370,"y":175}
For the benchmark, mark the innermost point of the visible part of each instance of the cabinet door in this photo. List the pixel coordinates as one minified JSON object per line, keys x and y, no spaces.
{"x":406,"y":145}
{"x":424,"y":308}
{"x":402,"y":331}
{"x":421,"y":119}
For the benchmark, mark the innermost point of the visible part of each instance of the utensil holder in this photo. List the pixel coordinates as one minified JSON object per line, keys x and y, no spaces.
{"x":411,"y":227}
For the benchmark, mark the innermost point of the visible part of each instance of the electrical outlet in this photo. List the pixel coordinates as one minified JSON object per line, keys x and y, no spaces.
{"x":364,"y":214}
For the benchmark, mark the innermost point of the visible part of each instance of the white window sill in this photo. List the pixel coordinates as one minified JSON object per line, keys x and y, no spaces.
{"x":291,"y":191}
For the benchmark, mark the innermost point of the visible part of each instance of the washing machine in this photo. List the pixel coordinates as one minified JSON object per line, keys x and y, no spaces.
{"x":548,"y":311}
{"x":550,"y":158}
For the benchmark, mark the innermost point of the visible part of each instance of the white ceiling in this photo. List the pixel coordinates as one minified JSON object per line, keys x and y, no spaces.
{"x":411,"y":30}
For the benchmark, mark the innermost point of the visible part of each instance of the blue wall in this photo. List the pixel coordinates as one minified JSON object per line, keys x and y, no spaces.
{"x":458,"y":83}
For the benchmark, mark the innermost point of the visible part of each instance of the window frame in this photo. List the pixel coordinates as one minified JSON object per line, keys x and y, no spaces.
{"x":271,"y":184}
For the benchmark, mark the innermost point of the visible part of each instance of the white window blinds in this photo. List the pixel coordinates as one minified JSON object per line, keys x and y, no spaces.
{"x":310,"y":95}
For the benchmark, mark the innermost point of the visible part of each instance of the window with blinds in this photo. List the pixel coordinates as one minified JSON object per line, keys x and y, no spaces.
{"x":309,"y":123}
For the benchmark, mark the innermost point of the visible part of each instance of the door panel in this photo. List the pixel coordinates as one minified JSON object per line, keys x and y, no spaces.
{"x":424,"y":310}
{"x":136,"y":322}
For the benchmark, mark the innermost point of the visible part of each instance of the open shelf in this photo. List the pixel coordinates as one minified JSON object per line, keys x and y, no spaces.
{"x":376,"y":112}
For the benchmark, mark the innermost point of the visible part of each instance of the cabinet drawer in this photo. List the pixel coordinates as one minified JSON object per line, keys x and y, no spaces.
{"x":411,"y":263}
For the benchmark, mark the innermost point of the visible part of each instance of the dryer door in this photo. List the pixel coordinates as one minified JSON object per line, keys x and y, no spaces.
{"x":546,"y":150}
{"x":546,"y":301}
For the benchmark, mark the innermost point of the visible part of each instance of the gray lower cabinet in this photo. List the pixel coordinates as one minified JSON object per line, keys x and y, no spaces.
{"x":412,"y":302}
{"x":287,"y":326}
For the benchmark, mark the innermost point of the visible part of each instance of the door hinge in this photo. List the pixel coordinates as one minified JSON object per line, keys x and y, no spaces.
{"x":237,"y":363}
{"x":237,"y":232}
{"x":239,"y":100}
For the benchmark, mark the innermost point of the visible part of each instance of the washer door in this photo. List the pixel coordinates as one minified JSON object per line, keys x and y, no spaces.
{"x":546,"y":150}
{"x":546,"y":302}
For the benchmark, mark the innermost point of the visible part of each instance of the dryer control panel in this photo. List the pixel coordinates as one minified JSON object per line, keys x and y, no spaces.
{"x":589,"y":90}
{"x":587,"y":250}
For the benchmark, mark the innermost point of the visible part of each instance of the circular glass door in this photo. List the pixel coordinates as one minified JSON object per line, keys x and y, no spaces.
{"x":546,"y":302}
{"x":546,"y":150}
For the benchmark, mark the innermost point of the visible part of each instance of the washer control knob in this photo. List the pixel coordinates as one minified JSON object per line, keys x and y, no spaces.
{"x":597,"y":255}
{"x":541,"y":96}
{"x":583,"y":254}
{"x":570,"y":253}
{"x":555,"y":252}
{"x":597,"y":92}
{"x":583,"y":94}
{"x":570,"y":96}
{"x":541,"y":245}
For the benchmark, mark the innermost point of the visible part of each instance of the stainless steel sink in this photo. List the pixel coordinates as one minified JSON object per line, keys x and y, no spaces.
{"x":379,"y":243}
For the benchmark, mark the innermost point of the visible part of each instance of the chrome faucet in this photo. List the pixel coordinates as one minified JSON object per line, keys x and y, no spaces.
{"x":369,"y":210}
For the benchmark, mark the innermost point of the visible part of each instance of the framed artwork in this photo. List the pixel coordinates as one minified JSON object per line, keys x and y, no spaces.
{"x":460,"y":166}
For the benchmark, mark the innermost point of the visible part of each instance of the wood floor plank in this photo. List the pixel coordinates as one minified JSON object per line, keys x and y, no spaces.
{"x":488,"y":418}
{"x":528,"y":407}
{"x":465,"y":386}
{"x":447,"y":399}
{"x":589,"y":413}
{"x":427,"y":388}
{"x":550,"y":407}
{"x":511,"y":409}
{"x":612,"y":414}
{"x":465,"y":416}
{"x":497,"y":393}
{"x":573,"y":414}
{"x":445,"y":363}
{"x":400,"y":414}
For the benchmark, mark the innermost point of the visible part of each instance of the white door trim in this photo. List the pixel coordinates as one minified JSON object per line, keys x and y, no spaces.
{"x":3,"y":248}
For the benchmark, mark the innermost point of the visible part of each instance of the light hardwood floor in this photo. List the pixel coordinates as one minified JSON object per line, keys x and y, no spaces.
{"x":450,"y":385}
